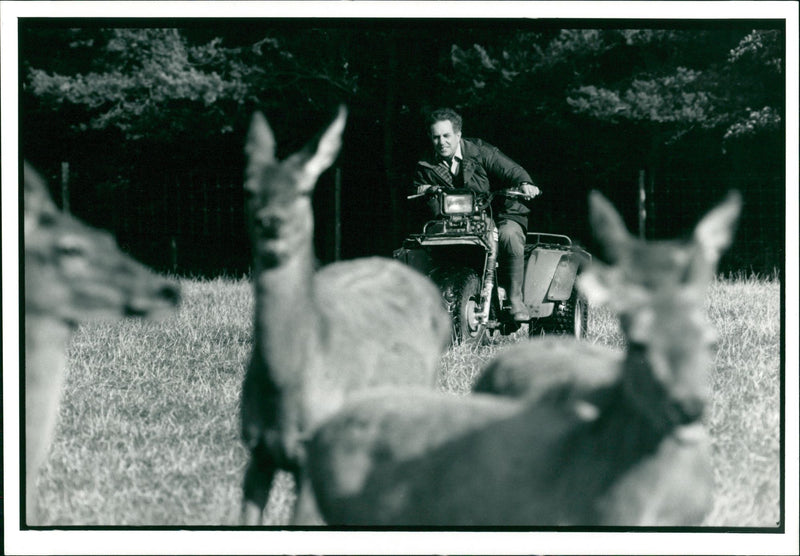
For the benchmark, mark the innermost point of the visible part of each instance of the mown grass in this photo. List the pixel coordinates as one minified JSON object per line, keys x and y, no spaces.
{"x":149,"y":423}
{"x":149,"y":429}
{"x":744,"y":417}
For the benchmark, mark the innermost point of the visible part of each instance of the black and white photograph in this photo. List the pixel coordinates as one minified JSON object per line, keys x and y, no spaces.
{"x":400,"y":277}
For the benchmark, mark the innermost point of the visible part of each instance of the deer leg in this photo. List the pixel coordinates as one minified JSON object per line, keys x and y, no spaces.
{"x":42,"y":399}
{"x":306,"y":511}
{"x":257,"y":484}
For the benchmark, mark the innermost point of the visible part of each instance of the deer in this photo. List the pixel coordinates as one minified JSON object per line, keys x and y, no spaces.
{"x":321,"y":332}
{"x":626,"y":446}
{"x":74,"y":273}
{"x":650,"y":264}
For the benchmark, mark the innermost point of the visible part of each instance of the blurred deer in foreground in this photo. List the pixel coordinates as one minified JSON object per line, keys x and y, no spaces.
{"x":319,"y":334}
{"x":73,"y":273}
{"x":616,"y":440}
{"x":652,"y":265}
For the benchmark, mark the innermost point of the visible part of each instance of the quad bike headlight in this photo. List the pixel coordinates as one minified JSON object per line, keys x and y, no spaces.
{"x":458,"y":204}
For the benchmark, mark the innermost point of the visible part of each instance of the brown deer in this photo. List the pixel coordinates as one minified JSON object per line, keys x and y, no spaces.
{"x":319,"y":334}
{"x":626,"y":449}
{"x":73,"y":273}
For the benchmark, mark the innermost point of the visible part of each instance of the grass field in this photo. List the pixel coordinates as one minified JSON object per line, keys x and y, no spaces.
{"x":148,"y":431}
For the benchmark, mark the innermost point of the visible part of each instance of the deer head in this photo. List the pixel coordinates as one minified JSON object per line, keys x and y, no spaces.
{"x":279,"y":210}
{"x":74,"y":272}
{"x":659,"y":295}
{"x":654,"y":264}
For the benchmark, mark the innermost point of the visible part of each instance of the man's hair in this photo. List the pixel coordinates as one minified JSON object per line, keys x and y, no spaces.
{"x":443,"y":114}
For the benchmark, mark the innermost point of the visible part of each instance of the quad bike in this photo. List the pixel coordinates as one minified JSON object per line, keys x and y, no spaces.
{"x":458,"y":251}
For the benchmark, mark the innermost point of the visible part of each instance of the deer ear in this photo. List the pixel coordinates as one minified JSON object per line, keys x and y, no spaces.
{"x":327,"y":148}
{"x":593,"y":286}
{"x":606,"y":286}
{"x":37,"y":202}
{"x":714,"y":233}
{"x":259,"y":148}
{"x":608,"y":227}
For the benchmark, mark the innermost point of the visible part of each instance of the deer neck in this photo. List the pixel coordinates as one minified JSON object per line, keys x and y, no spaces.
{"x":46,"y":342}
{"x":652,"y":403}
{"x":286,"y":319}
{"x":617,"y":440}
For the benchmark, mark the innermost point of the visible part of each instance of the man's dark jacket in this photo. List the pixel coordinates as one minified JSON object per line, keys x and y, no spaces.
{"x":483,"y":168}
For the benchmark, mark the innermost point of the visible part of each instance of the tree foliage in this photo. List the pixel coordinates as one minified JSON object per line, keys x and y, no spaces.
{"x":160,"y":83}
{"x":755,"y":87}
{"x":154,"y":83}
{"x":147,"y":81}
{"x":668,"y":80}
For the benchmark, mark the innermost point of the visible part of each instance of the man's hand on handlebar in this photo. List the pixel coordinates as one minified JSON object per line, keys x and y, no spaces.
{"x":427,"y":188}
{"x":529,"y":190}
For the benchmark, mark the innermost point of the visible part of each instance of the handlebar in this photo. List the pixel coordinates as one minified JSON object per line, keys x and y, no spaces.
{"x":520,"y":194}
{"x":435,"y":189}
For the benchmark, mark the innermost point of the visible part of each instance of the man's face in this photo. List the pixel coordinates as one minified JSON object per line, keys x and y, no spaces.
{"x":445,"y":139}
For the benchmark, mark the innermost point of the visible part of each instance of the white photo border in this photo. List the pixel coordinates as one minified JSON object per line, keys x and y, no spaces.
{"x":223,"y":541}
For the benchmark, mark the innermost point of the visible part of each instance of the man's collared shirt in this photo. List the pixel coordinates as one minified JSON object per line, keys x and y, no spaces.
{"x":455,"y":162}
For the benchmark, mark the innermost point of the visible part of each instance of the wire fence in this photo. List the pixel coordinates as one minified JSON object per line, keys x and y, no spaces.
{"x":194,"y":223}
{"x":185,"y":224}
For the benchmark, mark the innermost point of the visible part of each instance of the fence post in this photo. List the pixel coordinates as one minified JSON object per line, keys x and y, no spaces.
{"x":642,"y":208}
{"x":65,"y":187}
{"x":205,"y":205}
{"x":173,"y":248}
{"x":337,"y":214}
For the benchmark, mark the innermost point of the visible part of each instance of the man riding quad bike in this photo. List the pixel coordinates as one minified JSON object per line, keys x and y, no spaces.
{"x":479,"y":235}
{"x":473,"y":164}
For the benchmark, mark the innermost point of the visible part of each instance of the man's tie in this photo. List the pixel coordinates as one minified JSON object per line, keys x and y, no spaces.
{"x":457,"y":177}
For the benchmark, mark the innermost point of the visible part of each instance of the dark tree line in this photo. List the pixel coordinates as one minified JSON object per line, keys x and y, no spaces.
{"x":145,"y":114}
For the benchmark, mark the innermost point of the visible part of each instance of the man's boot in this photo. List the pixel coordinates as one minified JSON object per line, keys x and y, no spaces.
{"x":516,"y":272}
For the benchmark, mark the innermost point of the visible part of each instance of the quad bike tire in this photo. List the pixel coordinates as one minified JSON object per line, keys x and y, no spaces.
{"x":461,"y":288}
{"x":569,"y":318}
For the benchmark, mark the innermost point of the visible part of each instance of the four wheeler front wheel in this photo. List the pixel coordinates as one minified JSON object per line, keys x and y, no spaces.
{"x":461,"y":290}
